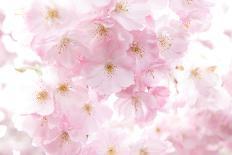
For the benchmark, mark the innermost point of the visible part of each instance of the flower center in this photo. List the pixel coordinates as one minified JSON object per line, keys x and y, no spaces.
{"x":110,"y":68}
{"x":102,"y":30}
{"x":64,"y":136}
{"x":111,"y":151}
{"x":52,"y":14}
{"x":195,"y":73}
{"x":157,"y":130}
{"x":212,"y":69}
{"x":164,"y":42}
{"x":64,"y":42}
{"x":42,"y":96}
{"x":136,"y":49}
{"x":180,"y":68}
{"x":121,"y":7}
{"x":143,"y":152}
{"x":88,"y":108}
{"x":63,"y":88}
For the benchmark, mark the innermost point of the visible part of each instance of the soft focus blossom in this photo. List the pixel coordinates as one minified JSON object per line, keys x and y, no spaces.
{"x":114,"y":77}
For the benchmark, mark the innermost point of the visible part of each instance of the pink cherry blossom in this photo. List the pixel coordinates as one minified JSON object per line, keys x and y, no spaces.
{"x":44,"y":16}
{"x":144,"y":146}
{"x":40,"y":128}
{"x":107,"y":72}
{"x":136,"y":104}
{"x":153,"y":75}
{"x":143,"y":49}
{"x":99,"y":30}
{"x":64,"y":141}
{"x":161,"y":93}
{"x":108,"y":143}
{"x":172,"y":42}
{"x":61,"y":49}
{"x":81,"y":104}
{"x":195,"y":21}
{"x":130,"y":14}
{"x":37,"y":98}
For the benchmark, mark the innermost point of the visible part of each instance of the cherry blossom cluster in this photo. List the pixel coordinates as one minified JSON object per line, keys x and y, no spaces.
{"x":111,"y":80}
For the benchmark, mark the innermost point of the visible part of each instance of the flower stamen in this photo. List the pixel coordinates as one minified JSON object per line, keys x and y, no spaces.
{"x":88,"y":109}
{"x":212,"y":69}
{"x":102,"y":30}
{"x":136,"y":49}
{"x":52,"y":14}
{"x":164,"y":42}
{"x":111,"y":151}
{"x":64,"y":42}
{"x":42,"y":96}
{"x":64,"y":136}
{"x":63,"y":88}
{"x":121,"y":7}
{"x":157,"y":130}
{"x":110,"y":68}
{"x":143,"y":152}
{"x":195,"y":73}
